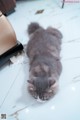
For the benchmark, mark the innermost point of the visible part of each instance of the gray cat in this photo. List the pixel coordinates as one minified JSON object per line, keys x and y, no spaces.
{"x":43,"y":50}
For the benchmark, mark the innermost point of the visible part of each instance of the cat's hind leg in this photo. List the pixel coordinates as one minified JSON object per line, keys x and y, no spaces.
{"x":55,"y":32}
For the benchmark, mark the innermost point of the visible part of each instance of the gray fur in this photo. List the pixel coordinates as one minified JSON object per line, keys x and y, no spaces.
{"x":43,"y":50}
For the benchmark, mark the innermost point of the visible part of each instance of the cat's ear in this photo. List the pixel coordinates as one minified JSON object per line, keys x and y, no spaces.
{"x":51,"y":82}
{"x":30,"y":81}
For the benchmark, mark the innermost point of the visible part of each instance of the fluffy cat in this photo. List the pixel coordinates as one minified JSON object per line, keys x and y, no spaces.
{"x":43,"y":50}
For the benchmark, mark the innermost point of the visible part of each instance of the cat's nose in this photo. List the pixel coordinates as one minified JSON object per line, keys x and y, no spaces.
{"x":41,"y":97}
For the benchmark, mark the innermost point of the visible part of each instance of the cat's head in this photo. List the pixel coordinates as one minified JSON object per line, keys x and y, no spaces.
{"x":42,"y":87}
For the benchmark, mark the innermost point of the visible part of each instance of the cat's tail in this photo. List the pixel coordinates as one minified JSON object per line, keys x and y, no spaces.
{"x":33,"y":27}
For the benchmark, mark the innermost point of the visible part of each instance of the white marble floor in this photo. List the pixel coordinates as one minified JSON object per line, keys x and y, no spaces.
{"x":15,"y":101}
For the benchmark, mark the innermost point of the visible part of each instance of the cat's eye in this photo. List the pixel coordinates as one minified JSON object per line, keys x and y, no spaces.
{"x":35,"y":74}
